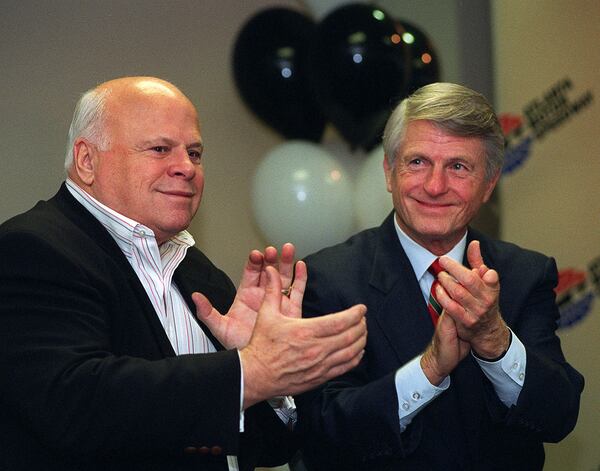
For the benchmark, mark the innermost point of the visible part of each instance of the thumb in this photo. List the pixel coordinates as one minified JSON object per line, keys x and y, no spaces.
{"x":475,"y":259}
{"x":474,"y":254}
{"x":205,"y":311}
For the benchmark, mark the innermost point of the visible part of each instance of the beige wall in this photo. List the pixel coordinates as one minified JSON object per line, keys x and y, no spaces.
{"x":551,"y":203}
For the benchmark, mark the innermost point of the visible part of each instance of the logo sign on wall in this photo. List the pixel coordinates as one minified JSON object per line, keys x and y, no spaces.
{"x":576,"y":292}
{"x":539,"y":116}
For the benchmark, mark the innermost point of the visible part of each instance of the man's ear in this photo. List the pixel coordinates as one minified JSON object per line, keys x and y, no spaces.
{"x":387,"y":169}
{"x":491,"y":184}
{"x":84,"y":160}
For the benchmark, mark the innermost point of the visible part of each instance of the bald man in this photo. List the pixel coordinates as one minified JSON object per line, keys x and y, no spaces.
{"x":122,"y":346}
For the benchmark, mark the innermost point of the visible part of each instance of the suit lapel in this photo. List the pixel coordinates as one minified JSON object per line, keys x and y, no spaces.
{"x":186,"y":287}
{"x":83,"y":219}
{"x":400,"y":311}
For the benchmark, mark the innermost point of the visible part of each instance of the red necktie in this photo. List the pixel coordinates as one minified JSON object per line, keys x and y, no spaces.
{"x":433,"y":306}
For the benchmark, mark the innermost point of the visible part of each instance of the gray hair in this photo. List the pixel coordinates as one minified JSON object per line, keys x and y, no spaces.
{"x":456,"y":110}
{"x":88,"y":122}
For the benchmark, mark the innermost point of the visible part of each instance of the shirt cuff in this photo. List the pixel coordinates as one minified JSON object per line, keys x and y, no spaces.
{"x":507,"y":375}
{"x":414,"y":390}
{"x":241,"y":393}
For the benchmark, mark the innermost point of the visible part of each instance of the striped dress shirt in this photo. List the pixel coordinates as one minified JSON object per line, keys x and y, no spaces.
{"x":154,"y":267}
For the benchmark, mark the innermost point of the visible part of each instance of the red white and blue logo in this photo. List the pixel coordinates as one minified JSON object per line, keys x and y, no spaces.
{"x":539,"y":116}
{"x":576,"y":292}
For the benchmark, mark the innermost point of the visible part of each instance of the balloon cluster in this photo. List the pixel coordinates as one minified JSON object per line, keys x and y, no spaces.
{"x":349,"y":69}
{"x":298,"y":75}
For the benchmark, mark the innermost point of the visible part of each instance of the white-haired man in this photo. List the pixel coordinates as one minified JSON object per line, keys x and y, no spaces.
{"x":463,"y":369}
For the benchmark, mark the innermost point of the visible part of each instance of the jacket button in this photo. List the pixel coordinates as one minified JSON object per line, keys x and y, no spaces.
{"x":203,"y":450}
{"x":190,"y":450}
{"x":216,"y":450}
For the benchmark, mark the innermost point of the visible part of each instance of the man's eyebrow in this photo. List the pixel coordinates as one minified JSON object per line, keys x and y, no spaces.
{"x":413,"y":155}
{"x":157,"y":141}
{"x":196,"y":144}
{"x":160,"y":140}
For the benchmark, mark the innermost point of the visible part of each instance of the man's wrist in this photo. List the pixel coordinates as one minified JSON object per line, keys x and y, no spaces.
{"x":497,"y":357}
{"x":430,"y":368}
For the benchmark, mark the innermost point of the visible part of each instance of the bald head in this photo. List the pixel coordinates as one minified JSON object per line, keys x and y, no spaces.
{"x":129,"y":87}
{"x":135,"y":146}
{"x":95,"y":108}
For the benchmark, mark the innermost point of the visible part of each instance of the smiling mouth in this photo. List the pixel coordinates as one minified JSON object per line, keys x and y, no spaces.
{"x":428,"y":204}
{"x":181,"y":194}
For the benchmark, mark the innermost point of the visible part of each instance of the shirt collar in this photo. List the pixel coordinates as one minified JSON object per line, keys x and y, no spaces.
{"x":420,"y":258}
{"x":120,"y":227}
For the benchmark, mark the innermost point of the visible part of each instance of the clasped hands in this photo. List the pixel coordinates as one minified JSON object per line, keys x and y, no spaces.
{"x":471,"y":319}
{"x":281,"y":353}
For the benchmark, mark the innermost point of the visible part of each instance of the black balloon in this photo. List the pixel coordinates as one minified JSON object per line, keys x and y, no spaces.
{"x":425,"y":67}
{"x":270,"y":71}
{"x":359,"y":69}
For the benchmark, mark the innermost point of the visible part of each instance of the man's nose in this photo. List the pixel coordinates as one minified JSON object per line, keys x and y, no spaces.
{"x":181,"y":164}
{"x":436,"y":181}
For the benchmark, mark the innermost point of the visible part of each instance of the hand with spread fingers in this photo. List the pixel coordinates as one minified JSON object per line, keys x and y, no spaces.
{"x":234,"y":329}
{"x":287,"y":356}
{"x":470,"y":296}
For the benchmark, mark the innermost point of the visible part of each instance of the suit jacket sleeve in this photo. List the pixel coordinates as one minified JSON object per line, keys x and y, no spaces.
{"x":548,"y":404}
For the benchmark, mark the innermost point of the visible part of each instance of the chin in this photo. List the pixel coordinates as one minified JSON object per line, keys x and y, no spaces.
{"x":176,"y":227}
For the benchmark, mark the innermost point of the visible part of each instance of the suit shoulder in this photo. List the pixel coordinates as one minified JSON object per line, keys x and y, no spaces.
{"x":40,"y":218}
{"x":356,"y":248}
{"x":43,"y":226}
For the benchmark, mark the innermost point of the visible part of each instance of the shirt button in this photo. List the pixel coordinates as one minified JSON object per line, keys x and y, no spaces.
{"x":405,"y":406}
{"x":521,"y":376}
{"x":515,"y":365}
{"x":416,"y":396}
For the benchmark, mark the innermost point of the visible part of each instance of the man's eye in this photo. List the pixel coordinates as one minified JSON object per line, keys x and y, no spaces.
{"x":160,"y":149}
{"x":458,"y":166}
{"x":195,"y":156}
{"x":416,"y":162}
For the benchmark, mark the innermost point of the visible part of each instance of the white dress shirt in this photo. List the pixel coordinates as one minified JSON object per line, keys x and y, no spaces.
{"x":414,"y":390}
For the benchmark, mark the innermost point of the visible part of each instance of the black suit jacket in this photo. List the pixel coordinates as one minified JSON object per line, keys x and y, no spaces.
{"x":352,"y":422}
{"x":88,"y":377}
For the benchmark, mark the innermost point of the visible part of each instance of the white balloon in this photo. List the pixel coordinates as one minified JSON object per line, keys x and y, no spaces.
{"x":372,"y":201}
{"x":301,"y":194}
